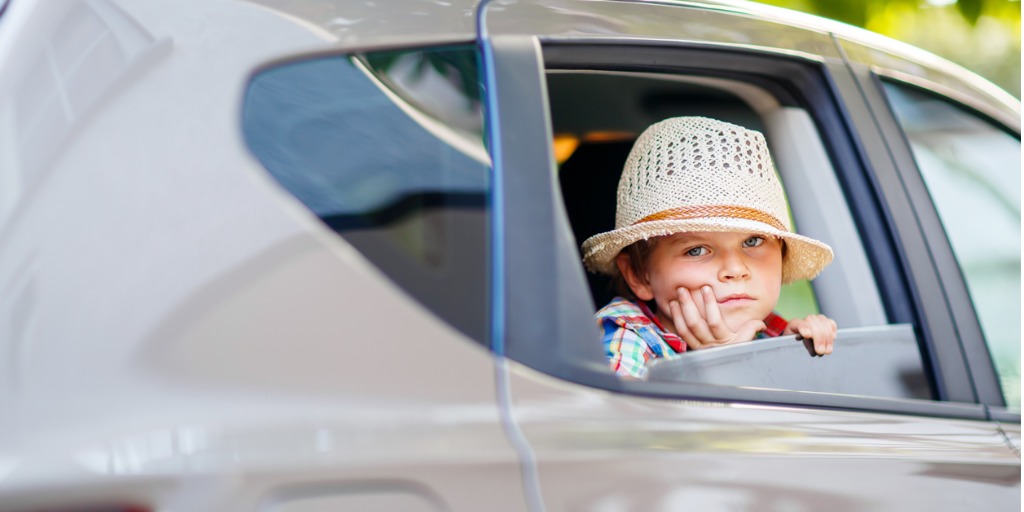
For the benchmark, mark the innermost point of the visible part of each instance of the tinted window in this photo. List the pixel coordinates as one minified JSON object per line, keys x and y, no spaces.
{"x":972,"y":171}
{"x":387,"y":150}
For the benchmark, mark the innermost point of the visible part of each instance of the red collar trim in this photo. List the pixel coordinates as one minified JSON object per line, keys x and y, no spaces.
{"x":775,"y":325}
{"x":672,"y":339}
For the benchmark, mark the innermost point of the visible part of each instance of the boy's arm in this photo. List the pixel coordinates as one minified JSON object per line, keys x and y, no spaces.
{"x":626,"y":350}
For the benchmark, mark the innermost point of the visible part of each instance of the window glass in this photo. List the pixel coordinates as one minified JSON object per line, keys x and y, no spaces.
{"x":972,"y":171}
{"x":387,"y":150}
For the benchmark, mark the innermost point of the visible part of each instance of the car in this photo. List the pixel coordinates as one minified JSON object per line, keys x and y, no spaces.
{"x":294,"y":255}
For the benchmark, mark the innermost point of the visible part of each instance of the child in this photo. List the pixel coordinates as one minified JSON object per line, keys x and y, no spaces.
{"x":701,"y":247}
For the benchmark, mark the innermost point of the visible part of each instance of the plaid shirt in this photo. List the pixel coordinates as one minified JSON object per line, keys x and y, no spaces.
{"x":633,"y":336}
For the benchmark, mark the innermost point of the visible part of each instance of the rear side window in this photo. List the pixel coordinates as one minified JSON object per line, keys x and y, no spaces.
{"x":387,"y":150}
{"x":972,"y":171}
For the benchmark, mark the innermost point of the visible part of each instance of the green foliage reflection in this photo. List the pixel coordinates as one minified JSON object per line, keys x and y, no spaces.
{"x":982,"y":35}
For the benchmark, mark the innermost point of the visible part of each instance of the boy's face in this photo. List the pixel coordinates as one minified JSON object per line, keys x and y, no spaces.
{"x":744,"y":271}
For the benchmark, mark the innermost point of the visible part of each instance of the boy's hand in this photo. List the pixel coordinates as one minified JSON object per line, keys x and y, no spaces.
{"x":698,"y":320}
{"x":819,"y":328}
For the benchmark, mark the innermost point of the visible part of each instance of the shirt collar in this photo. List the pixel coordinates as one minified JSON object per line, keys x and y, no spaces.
{"x":671,"y":339}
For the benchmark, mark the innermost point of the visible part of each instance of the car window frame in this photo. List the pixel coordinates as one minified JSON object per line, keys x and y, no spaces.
{"x":870,"y":65}
{"x":927,"y":297}
{"x":972,"y":340}
{"x":515,"y":64}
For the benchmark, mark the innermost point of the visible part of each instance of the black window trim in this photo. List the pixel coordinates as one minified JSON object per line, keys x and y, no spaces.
{"x":518,"y":80}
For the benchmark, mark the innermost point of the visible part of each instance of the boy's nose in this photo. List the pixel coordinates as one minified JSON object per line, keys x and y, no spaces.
{"x":733,"y":268}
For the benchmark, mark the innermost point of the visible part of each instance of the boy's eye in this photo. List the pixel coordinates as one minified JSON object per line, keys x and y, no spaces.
{"x":697,"y":251}
{"x":753,"y":241}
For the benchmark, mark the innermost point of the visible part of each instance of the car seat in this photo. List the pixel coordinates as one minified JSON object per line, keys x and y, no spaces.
{"x":589,"y":180}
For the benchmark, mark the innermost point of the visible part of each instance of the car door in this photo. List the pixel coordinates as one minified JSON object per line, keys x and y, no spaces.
{"x":240,"y":267}
{"x":954,"y":140}
{"x":598,"y":442}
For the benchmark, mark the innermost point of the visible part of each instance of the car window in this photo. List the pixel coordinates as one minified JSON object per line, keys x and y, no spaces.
{"x":972,"y":171}
{"x":387,"y":150}
{"x":598,"y":110}
{"x":590,"y":152}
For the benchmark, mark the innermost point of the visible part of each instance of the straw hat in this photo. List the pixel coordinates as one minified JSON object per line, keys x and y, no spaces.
{"x":688,"y":174}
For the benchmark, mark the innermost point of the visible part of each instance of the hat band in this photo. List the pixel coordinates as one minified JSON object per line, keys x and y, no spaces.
{"x":698,"y":212}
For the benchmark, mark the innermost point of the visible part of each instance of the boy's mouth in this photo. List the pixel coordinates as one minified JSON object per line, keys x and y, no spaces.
{"x":735,"y":298}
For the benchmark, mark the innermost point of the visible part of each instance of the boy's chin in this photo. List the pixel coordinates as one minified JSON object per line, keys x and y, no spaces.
{"x":735,"y":323}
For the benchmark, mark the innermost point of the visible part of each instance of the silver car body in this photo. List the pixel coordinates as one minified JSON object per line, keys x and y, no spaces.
{"x":180,"y":333}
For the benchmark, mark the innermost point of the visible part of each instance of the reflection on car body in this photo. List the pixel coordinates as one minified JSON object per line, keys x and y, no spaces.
{"x":288,"y":254}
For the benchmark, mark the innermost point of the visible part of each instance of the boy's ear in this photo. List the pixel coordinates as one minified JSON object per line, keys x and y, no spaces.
{"x":641,"y":288}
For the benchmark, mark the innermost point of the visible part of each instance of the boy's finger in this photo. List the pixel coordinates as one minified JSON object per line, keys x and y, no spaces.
{"x":698,"y":300}
{"x":794,"y":326}
{"x":825,"y":331}
{"x":681,"y":329}
{"x":750,"y":329}
{"x":830,"y":334}
{"x":820,"y":331}
{"x":814,"y":326}
{"x":694,"y":320}
{"x":713,"y":315}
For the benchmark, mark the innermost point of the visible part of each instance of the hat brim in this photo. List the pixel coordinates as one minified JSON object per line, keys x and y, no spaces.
{"x":805,"y":257}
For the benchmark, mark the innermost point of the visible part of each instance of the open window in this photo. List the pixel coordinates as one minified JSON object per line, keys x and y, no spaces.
{"x":597,"y":98}
{"x":601,"y":99}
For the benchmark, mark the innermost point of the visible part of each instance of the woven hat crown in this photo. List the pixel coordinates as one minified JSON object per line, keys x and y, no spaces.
{"x":698,"y":162}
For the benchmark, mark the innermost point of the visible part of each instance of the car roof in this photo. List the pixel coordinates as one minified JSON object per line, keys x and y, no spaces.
{"x":351,"y":20}
{"x":392,"y":23}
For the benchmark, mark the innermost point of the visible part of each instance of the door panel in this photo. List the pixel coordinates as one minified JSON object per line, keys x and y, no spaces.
{"x":599,"y":451}
{"x":950,"y":303}
{"x":612,"y":447}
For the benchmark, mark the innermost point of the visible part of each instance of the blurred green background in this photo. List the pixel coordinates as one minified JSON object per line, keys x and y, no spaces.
{"x":980,"y":35}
